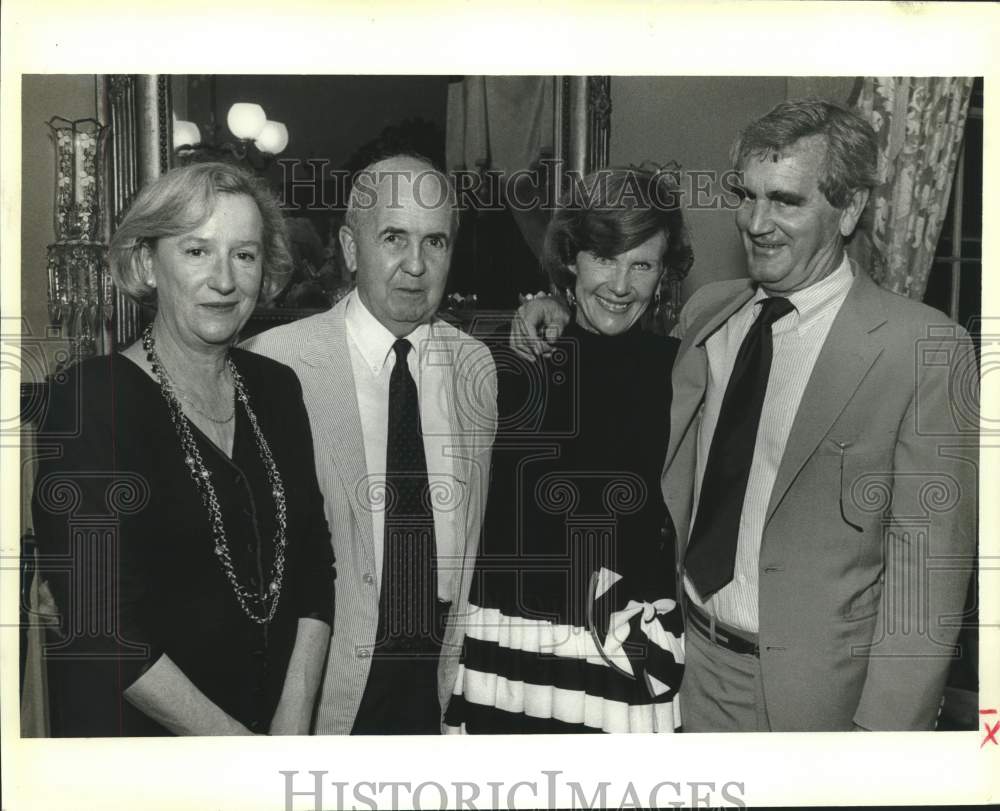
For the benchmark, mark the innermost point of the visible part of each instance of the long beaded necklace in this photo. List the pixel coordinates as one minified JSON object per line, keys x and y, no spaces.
{"x":259,"y":608}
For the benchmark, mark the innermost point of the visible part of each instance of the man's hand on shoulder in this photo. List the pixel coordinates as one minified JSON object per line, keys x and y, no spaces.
{"x":537,"y":322}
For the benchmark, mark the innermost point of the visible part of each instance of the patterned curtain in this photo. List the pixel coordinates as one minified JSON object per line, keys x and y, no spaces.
{"x":920,"y":122}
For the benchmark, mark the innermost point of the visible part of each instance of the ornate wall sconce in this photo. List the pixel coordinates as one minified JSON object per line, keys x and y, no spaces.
{"x":80,"y":295}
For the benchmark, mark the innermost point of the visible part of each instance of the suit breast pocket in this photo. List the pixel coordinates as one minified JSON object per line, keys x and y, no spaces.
{"x":864,"y":483}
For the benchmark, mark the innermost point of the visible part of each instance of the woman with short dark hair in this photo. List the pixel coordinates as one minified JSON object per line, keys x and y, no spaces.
{"x":195,"y":585}
{"x":574,"y":625}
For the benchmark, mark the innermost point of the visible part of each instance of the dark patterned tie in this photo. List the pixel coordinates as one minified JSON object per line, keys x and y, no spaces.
{"x":409,"y":582}
{"x":711,"y":551}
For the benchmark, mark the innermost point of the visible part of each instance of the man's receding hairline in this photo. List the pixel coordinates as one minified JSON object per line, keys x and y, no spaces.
{"x":381,"y":170}
{"x":413,"y":159}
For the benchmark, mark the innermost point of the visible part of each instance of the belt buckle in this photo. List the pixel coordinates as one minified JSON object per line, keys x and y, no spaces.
{"x":721,"y":638}
{"x":703,"y":622}
{"x":708,"y":626}
{"x":713,"y":630}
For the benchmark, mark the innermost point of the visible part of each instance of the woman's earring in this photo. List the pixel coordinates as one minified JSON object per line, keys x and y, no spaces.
{"x":570,"y":297}
{"x":656,"y":302}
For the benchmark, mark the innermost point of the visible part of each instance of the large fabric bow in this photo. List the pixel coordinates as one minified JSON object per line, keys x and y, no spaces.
{"x":635,"y":637}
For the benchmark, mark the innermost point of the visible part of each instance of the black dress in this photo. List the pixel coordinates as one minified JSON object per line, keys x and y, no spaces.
{"x":127,"y":549}
{"x":574,"y":625}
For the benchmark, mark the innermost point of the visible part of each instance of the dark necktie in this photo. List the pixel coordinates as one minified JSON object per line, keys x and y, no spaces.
{"x":711,"y":551}
{"x":409,"y":582}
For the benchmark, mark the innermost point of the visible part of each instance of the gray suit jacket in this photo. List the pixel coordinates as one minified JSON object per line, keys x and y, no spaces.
{"x":316,"y":348}
{"x":870,"y":529}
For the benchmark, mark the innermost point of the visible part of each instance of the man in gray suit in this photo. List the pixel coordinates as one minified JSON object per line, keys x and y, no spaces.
{"x":822,"y":464}
{"x":403,"y":412}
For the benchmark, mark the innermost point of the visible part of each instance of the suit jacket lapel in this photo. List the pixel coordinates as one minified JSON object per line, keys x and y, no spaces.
{"x":451,"y":348}
{"x":690,"y":375}
{"x":848,"y":353}
{"x":690,"y":379}
{"x":463,"y":448}
{"x":339,"y":427}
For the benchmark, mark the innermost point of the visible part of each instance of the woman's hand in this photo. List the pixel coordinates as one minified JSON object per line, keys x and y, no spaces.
{"x":536,"y":323}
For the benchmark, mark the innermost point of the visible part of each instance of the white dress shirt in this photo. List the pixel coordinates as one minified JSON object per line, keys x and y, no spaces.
{"x":372,"y":360}
{"x":797,"y":340}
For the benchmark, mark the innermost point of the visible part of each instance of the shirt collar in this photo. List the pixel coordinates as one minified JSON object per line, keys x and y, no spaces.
{"x":811,"y":301}
{"x":372,"y":339}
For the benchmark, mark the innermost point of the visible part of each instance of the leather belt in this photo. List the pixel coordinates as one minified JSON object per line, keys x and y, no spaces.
{"x":721,"y":634}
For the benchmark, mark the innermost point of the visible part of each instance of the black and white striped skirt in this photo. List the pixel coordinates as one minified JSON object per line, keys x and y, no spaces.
{"x":526,"y":675}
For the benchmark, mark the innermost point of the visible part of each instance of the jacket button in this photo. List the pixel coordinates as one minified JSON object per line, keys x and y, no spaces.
{"x":368,"y":578}
{"x":363,"y":653}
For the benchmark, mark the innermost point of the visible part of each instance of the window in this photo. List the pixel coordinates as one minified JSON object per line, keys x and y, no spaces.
{"x":955,"y":282}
